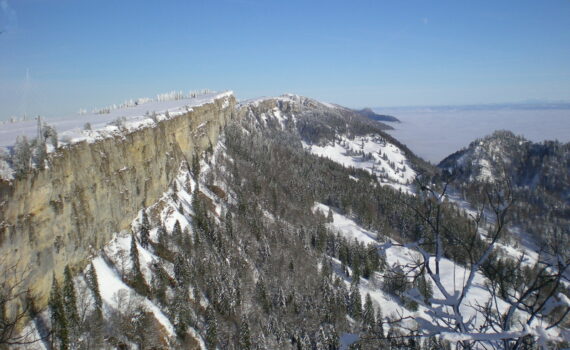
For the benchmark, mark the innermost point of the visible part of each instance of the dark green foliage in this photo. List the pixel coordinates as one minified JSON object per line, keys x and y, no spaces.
{"x":94,"y":323}
{"x":195,"y":165}
{"x":244,"y":336}
{"x":177,"y":231}
{"x":261,"y":295}
{"x":396,"y":282}
{"x":211,"y":328}
{"x":93,"y":283}
{"x":144,"y":230}
{"x":58,"y":317}
{"x":136,"y":278}
{"x":22,"y":156}
{"x":355,"y":303}
{"x":161,"y":247}
{"x":229,"y":224}
{"x":368,"y":321}
{"x":70,"y":299}
{"x":134,"y":252}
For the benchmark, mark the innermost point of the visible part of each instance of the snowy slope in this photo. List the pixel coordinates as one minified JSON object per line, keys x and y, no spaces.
{"x":371,"y":153}
{"x":113,"y":290}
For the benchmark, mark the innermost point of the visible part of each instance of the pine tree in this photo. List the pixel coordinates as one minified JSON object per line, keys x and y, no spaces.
{"x":177,"y":231}
{"x":200,"y":213}
{"x":196,"y":165}
{"x":330,"y":217}
{"x":97,"y":325}
{"x":355,"y":304}
{"x":180,"y":269}
{"x":261,"y":295}
{"x":211,"y":328}
{"x":135,"y":257}
{"x":244,"y":336}
{"x":93,"y":283}
{"x":320,"y":237}
{"x":144,"y":230}
{"x":368,"y":321}
{"x":41,"y":154}
{"x":22,"y":156}
{"x":139,"y":283}
{"x":379,"y":326}
{"x":58,"y":320}
{"x":229,"y":224}
{"x":70,"y":299}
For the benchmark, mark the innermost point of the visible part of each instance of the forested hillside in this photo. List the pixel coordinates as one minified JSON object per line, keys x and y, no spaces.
{"x":537,"y":173}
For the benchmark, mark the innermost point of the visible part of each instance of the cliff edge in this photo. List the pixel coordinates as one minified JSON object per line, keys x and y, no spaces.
{"x":62,"y":214}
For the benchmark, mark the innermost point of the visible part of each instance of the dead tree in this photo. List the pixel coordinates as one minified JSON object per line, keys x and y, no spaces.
{"x":536,"y":296}
{"x":16,"y":305}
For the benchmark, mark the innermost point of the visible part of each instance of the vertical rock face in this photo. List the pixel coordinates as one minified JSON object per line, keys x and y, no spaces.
{"x":63,"y":214}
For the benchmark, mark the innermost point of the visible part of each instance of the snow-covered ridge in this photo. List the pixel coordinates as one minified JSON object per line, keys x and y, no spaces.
{"x":111,"y":121}
{"x":292,"y":98}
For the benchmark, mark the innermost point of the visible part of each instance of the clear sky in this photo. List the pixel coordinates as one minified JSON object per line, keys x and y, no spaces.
{"x":57,"y":56}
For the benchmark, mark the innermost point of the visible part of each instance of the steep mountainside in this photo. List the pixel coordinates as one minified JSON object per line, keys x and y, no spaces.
{"x":61,"y":214}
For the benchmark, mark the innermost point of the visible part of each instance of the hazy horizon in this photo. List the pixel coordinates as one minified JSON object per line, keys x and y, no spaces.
{"x":435,"y":134}
{"x":60,"y":56}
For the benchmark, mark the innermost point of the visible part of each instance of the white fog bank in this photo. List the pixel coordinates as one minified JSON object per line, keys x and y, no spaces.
{"x":435,"y":133}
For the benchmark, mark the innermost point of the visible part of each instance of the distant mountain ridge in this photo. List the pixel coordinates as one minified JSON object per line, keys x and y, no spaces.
{"x":538,"y":174}
{"x":527,"y":164}
{"x":370,"y":114}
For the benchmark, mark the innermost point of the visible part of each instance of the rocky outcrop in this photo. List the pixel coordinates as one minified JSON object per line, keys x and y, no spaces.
{"x":64,"y":214}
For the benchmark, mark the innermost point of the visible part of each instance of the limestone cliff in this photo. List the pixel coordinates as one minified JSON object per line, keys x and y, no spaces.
{"x":63,"y":214}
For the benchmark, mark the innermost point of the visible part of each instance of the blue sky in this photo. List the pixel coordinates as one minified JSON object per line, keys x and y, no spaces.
{"x":87,"y":53}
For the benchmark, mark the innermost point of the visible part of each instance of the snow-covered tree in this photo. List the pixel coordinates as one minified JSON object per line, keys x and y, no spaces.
{"x":22,"y":156}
